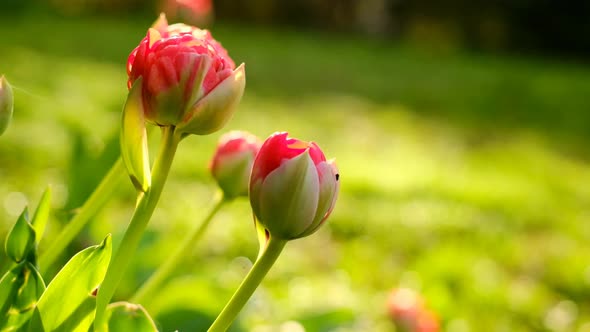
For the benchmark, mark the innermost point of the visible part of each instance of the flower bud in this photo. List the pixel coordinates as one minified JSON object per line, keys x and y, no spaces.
{"x":6,"y":104}
{"x":188,"y":79}
{"x":232,"y":163}
{"x":293,"y":188}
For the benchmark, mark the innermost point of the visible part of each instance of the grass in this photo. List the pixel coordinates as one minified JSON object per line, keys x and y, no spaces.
{"x":463,"y":176}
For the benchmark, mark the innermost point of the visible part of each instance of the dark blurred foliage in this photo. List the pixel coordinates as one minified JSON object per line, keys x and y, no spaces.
{"x":542,"y":26}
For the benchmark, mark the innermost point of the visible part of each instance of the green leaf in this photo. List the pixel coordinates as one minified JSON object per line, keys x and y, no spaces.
{"x":6,"y":104}
{"x":9,"y":285}
{"x":124,"y":317}
{"x":41,"y":215}
{"x":68,"y":303}
{"x":134,"y":146}
{"x":21,"y":238}
{"x":328,"y":321}
{"x":20,"y":288}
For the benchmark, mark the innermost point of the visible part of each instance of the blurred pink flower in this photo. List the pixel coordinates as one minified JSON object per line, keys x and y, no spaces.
{"x":196,"y":10}
{"x":406,"y":308}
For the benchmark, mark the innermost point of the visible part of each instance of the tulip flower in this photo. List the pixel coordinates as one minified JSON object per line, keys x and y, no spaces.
{"x":179,"y":78}
{"x":408,"y":311}
{"x":232,"y":162}
{"x":293,"y":188}
{"x":182,"y":80}
{"x":186,"y":77}
{"x":6,"y":104}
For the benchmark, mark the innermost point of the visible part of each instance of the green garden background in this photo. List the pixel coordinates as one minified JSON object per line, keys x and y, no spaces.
{"x":465,"y":173}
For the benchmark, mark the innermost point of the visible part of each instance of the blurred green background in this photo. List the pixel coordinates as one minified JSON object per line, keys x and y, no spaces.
{"x":464,"y":163}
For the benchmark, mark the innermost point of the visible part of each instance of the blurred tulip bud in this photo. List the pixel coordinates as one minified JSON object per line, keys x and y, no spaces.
{"x":293,"y":188}
{"x":427,"y":322}
{"x":6,"y":104}
{"x":406,"y":308}
{"x":232,"y":163}
{"x":188,"y":79}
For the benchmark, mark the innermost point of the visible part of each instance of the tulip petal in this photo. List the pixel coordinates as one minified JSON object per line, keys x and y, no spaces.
{"x":153,"y":36}
{"x":161,"y":24}
{"x":213,"y":111}
{"x":134,"y":146}
{"x":233,"y":172}
{"x":289,"y":197}
{"x":329,"y":188}
{"x":204,"y":62}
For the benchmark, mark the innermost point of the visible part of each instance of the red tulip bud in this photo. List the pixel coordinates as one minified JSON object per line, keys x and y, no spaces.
{"x":293,"y":188}
{"x":232,"y":162}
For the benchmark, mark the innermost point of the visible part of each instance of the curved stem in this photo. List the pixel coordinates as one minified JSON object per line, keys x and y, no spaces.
{"x":90,"y":208}
{"x":143,"y":212}
{"x":249,"y":285}
{"x":165,"y":270}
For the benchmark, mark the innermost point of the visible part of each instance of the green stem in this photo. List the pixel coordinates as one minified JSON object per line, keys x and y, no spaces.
{"x":166,"y":269}
{"x":90,"y":208}
{"x":249,"y":285}
{"x":143,"y":212}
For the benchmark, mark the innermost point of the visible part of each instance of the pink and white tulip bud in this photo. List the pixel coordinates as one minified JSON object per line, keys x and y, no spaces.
{"x":232,"y":162}
{"x":293,"y":188}
{"x":6,"y":104}
{"x":187,"y":78}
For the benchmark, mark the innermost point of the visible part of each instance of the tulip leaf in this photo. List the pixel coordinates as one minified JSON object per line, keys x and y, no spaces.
{"x":213,"y":110}
{"x":21,"y":238}
{"x":9,"y":285}
{"x":124,"y":317}
{"x":6,"y":104}
{"x":134,"y":145}
{"x":20,"y":288}
{"x":69,"y":303}
{"x":41,"y":215}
